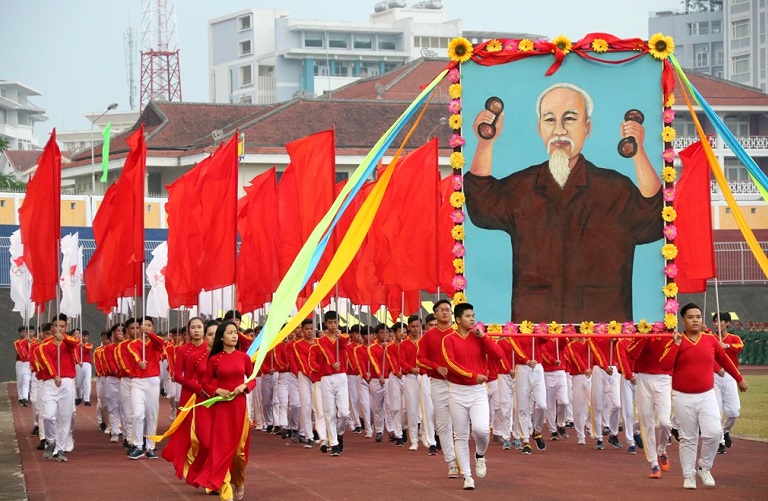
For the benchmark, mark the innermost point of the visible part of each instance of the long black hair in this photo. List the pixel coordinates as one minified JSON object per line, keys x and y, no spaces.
{"x":218,"y":341}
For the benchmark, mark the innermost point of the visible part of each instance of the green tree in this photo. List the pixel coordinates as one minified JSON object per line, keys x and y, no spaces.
{"x":9,"y":181}
{"x":3,"y":143}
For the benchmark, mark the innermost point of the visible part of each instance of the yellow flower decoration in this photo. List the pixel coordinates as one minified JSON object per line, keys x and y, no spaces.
{"x":457,"y":160}
{"x":455,"y":122}
{"x":614,"y":327}
{"x":460,"y":50}
{"x":457,"y":232}
{"x":458,"y":266}
{"x":669,"y":251}
{"x":459,"y":298}
{"x":563,"y":43}
{"x":494,"y":329}
{"x":457,"y":199}
{"x":587,"y":327}
{"x":644,"y":327}
{"x":599,"y":45}
{"x":669,"y":174}
{"x":454,"y":91}
{"x":555,"y":328}
{"x":670,"y":290}
{"x":668,"y":214}
{"x":526,"y":327}
{"x":525,"y":45}
{"x":670,"y":100}
{"x":668,"y":134}
{"x":670,"y":321}
{"x":494,"y":46}
{"x":660,"y":46}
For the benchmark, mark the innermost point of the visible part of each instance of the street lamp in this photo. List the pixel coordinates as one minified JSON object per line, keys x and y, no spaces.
{"x":93,"y":165}
{"x":440,"y":122}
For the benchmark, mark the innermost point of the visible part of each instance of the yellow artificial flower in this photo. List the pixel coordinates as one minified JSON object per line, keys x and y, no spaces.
{"x":457,"y":160}
{"x":460,"y":50}
{"x":644,"y":327}
{"x":668,"y":134}
{"x":669,"y":174}
{"x":669,"y":251}
{"x":459,"y":298}
{"x":670,"y":290}
{"x":614,"y":327}
{"x":454,"y":91}
{"x":525,"y":45}
{"x":660,"y":46}
{"x":555,"y":328}
{"x":599,"y":45}
{"x":457,"y":232}
{"x":494,"y":329}
{"x":563,"y":43}
{"x":457,"y":199}
{"x":494,"y":46}
{"x":455,"y":122}
{"x":458,"y":266}
{"x":526,"y":327}
{"x":587,"y":327}
{"x":670,"y":321}
{"x":668,"y":214}
{"x":670,"y":100}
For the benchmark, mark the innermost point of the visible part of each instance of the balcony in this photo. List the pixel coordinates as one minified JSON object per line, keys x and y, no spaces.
{"x":746,"y":142}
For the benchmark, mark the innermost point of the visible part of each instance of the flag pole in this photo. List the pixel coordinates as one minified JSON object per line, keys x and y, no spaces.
{"x":143,"y":313}
{"x":717,"y":302}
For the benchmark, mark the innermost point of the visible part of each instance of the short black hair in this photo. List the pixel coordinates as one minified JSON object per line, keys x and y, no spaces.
{"x":437,"y":304}
{"x":354,"y":328}
{"x":85,"y":333}
{"x":330,"y":315}
{"x":429,"y":318}
{"x":399,"y":325}
{"x":723,"y":315}
{"x":413,"y":318}
{"x":460,"y":308}
{"x":380,"y":327}
{"x":307,"y":321}
{"x":62,"y":316}
{"x":689,"y":306}
{"x":132,"y":321}
{"x":232,"y":314}
{"x":46,"y":326}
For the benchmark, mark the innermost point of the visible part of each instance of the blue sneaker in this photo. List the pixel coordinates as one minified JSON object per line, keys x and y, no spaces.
{"x":507,"y":445}
{"x":632,"y":449}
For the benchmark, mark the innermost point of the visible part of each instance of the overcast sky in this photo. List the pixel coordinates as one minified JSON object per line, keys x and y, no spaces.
{"x":72,"y":51}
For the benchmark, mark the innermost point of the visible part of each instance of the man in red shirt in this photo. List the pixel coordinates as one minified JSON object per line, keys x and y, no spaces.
{"x":301,"y":354}
{"x":691,"y":357}
{"x":23,"y":371}
{"x":112,"y":382}
{"x":628,"y":382}
{"x":577,"y":354}
{"x":413,"y":385}
{"x":363,"y":363}
{"x":725,"y":386}
{"x":467,"y":351}
{"x":146,"y":349}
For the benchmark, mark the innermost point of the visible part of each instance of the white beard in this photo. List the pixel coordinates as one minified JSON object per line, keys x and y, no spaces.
{"x":558,"y":166}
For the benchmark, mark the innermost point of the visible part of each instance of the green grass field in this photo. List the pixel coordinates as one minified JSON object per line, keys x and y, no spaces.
{"x":753,"y":421}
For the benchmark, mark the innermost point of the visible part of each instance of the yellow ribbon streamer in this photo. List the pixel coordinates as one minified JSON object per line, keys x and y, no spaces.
{"x":182,"y":414}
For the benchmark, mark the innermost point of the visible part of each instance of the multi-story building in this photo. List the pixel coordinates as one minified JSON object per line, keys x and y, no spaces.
{"x":18,"y":115}
{"x":746,"y":48}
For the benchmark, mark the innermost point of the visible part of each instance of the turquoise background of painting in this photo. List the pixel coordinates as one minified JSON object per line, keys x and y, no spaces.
{"x":614,"y":88}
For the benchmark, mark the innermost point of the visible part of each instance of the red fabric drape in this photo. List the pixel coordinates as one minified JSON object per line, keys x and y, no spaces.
{"x":696,"y":254}
{"x":40,"y":223}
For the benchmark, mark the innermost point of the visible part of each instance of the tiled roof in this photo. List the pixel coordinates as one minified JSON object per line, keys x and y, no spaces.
{"x":21,"y":160}
{"x":717,"y":91}
{"x":403,"y":83}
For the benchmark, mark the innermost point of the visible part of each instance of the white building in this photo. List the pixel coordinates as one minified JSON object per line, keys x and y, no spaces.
{"x":18,"y":116}
{"x":75,"y":141}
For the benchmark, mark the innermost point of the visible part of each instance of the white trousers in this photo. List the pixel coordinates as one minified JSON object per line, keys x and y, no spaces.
{"x":697,"y":413}
{"x":269,"y":401}
{"x":469,"y":405}
{"x":353,"y":421}
{"x":411,"y":390}
{"x":494,"y":406}
{"x":335,"y":405}
{"x":606,"y":405}
{"x":126,"y":408}
{"x":727,"y":393}
{"x":83,"y":381}
{"x":557,"y":399}
{"x":112,"y":401}
{"x":581,"y":386}
{"x":395,"y":394}
{"x":317,"y":406}
{"x":502,"y":420}
{"x":653,"y":395}
{"x":305,"y":406}
{"x":531,"y":396}
{"x":440,"y":390}
{"x":256,"y":411}
{"x":364,"y":398}
{"x":57,"y":411}
{"x":287,"y":398}
{"x":23,"y":378}
{"x":37,"y":394}
{"x":145,"y":400}
{"x":378,"y":392}
{"x":100,"y":382}
{"x":631,"y":425}
{"x":569,"y":408}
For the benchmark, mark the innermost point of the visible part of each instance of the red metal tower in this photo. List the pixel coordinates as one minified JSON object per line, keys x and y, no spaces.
{"x":160,"y":73}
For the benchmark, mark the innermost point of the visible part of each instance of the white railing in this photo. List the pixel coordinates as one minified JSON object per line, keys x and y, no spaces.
{"x":737,"y":188}
{"x":753,"y":142}
{"x":746,"y":142}
{"x":681,"y":142}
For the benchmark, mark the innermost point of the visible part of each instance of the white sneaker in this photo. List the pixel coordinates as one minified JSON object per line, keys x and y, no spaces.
{"x":424,"y":441}
{"x":369,"y":434}
{"x":480,"y":467}
{"x":453,"y":470}
{"x":414,"y":446}
{"x":689,"y":483}
{"x":469,"y":484}
{"x":706,"y":477}
{"x":114,"y":439}
{"x":581,"y":442}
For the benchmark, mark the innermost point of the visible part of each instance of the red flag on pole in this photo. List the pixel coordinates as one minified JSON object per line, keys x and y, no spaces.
{"x":118,"y":228}
{"x":696,"y":253}
{"x":40,"y":223}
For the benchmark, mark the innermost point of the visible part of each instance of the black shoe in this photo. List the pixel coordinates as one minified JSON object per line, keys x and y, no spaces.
{"x":324,"y":448}
{"x":341,"y":443}
{"x":150,"y":454}
{"x":562,"y":432}
{"x":87,"y":404}
{"x":270,"y":428}
{"x":721,"y":449}
{"x":614,"y":441}
{"x":527,"y":448}
{"x":540,"y":444}
{"x":638,"y":440}
{"x":433,"y":450}
{"x":392,"y":437}
{"x":676,"y":434}
{"x":285,"y":433}
{"x":358,"y":430}
{"x":102,"y":427}
{"x":335,"y":452}
{"x":727,"y":438}
{"x":78,"y":401}
{"x":277,"y":430}
{"x":398,"y":442}
{"x":571,"y":425}
{"x":621,"y":428}
{"x":163,"y":393}
{"x":36,"y":432}
{"x":41,"y":447}
{"x":606,"y":430}
{"x":553,"y":437}
{"x":437,"y":443}
{"x":599,"y":445}
{"x":379,"y":437}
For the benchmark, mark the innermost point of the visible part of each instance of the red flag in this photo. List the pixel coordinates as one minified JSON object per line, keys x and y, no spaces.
{"x":40,"y":223}
{"x":257,"y":272}
{"x":118,"y":228}
{"x":696,"y":252}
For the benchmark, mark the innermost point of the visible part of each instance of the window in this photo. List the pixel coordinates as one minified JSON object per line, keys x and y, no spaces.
{"x":3,"y":118}
{"x":390,"y":66}
{"x":363,"y":42}
{"x":321,"y":70}
{"x":753,"y":210}
{"x":734,"y":171}
{"x":717,"y":26}
{"x":341,"y":69}
{"x":718,"y":58}
{"x":313,"y":40}
{"x":699,"y":28}
{"x":244,"y":22}
{"x":342,"y":176}
{"x":387,"y":43}
{"x":738,"y":125}
{"x":740,"y":64}
{"x":245,"y":47}
{"x":369,"y":69}
{"x":740,"y":28}
{"x":337,"y":42}
{"x":246,"y":75}
{"x":246,"y":99}
{"x":702,"y":59}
